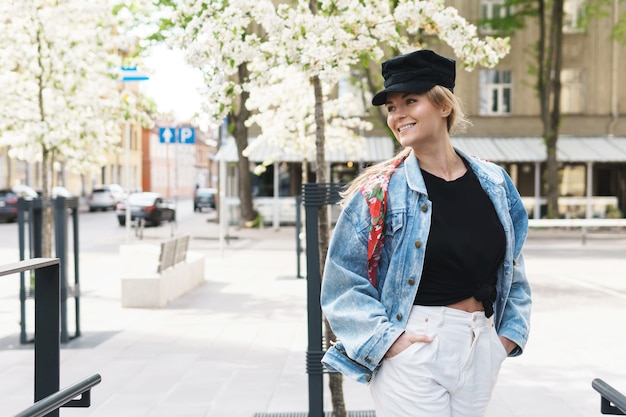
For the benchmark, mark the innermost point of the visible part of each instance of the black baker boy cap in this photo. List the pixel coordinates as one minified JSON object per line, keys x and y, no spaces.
{"x":416,"y":72}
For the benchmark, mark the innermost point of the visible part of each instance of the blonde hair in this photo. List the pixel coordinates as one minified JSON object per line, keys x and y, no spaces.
{"x":457,"y":121}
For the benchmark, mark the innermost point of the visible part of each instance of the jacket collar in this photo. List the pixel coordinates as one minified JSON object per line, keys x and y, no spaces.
{"x":414,"y":177}
{"x":484,"y":170}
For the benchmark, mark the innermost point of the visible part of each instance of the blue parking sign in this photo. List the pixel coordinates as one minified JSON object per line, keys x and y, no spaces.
{"x":187,"y":135}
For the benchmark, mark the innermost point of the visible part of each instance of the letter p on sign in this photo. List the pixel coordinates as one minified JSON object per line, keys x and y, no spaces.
{"x":187,"y":135}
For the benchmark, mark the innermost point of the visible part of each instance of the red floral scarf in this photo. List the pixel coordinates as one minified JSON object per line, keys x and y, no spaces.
{"x":375,"y":192}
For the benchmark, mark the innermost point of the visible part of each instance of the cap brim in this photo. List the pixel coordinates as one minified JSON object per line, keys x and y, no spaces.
{"x":416,"y":87}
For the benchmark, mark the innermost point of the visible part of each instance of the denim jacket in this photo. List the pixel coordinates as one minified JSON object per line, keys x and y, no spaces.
{"x":367,"y":320}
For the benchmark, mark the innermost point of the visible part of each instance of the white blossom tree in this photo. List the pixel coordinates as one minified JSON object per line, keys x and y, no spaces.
{"x":240,"y":44}
{"x":291,"y":129}
{"x":294,"y":54}
{"x":61,"y":99}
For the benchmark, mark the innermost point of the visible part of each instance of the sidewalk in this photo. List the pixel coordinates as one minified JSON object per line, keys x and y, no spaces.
{"x":236,"y":345}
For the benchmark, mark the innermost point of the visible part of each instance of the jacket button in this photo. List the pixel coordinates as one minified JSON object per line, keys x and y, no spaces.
{"x":368,"y":360}
{"x":411,"y":281}
{"x":424,"y":208}
{"x":418,"y":244}
{"x":399,"y":316}
{"x":368,"y":378}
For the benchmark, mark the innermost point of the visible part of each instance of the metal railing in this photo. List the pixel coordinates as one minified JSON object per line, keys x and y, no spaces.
{"x":47,"y":338}
{"x":612,"y":401}
{"x":64,"y":398}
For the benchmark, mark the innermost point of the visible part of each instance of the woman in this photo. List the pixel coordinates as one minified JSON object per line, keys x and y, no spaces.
{"x":424,"y":284}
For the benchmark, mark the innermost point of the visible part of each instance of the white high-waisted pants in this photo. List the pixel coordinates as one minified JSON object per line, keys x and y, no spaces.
{"x":452,"y":376}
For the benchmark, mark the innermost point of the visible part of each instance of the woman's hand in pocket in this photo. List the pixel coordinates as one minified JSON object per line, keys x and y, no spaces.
{"x":508,"y":344}
{"x":405,"y":341}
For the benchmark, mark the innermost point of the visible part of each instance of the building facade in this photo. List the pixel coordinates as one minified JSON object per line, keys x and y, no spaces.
{"x":176,"y":169}
{"x":14,"y":171}
{"x":503,"y":104}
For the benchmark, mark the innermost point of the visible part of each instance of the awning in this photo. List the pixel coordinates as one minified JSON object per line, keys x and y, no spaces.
{"x":377,"y":148}
{"x":533,"y":149}
{"x":496,"y":149}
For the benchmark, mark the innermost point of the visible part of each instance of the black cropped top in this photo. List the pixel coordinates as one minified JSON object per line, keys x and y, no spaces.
{"x":466,"y":244}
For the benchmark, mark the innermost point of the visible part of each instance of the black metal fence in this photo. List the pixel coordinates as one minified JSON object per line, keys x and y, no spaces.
{"x":47,"y":341}
{"x":30,"y":232}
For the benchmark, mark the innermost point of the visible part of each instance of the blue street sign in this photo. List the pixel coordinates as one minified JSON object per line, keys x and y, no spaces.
{"x":131,"y":74}
{"x":167,"y":134}
{"x":185,"y":135}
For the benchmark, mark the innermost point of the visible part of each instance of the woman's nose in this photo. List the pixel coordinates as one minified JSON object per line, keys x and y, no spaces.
{"x":398,"y":114}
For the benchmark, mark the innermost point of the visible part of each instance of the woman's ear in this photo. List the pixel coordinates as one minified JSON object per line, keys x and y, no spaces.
{"x":446,"y":110}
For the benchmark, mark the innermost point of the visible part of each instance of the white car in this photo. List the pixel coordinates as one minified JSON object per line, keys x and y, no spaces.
{"x":106,"y":197}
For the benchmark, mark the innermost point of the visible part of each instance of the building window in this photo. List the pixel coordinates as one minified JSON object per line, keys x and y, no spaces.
{"x":493,"y":9}
{"x":572,"y":16}
{"x":495,"y":92}
{"x":572,"y":180}
{"x":572,"y":89}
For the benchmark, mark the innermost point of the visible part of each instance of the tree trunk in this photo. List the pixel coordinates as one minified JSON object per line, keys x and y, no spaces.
{"x":240,"y":132}
{"x":555,"y":111}
{"x":335,"y":379}
{"x":549,"y":59}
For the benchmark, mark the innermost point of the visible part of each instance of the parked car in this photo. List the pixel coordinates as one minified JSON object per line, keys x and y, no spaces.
{"x":8,"y":200}
{"x":151,"y":207}
{"x":204,"y":198}
{"x":106,"y":197}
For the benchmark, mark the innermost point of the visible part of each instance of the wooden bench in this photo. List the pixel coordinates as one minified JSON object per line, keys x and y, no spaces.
{"x":173,"y":251}
{"x":154,"y":275}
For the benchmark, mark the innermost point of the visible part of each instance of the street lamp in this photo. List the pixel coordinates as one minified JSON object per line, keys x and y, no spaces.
{"x":129,"y":74}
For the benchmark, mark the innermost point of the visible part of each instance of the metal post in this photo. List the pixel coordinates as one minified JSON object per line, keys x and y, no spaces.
{"x":316,"y":197}
{"x":47,"y":349}
{"x":76,"y":266}
{"x":177,"y":140}
{"x":35,"y":219}
{"x":21,"y":220}
{"x":314,"y":351}
{"x":537,"y":208}
{"x":276,"y":197}
{"x":589,"y":186}
{"x":221,"y":201}
{"x":60,"y":251}
{"x":298,"y":232}
{"x":127,"y":175}
{"x":129,"y":74}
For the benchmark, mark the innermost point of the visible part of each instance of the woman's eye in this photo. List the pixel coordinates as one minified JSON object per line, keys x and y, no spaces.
{"x":390,"y":109}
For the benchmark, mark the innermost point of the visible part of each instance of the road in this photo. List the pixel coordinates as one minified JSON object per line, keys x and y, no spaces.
{"x":100,"y":232}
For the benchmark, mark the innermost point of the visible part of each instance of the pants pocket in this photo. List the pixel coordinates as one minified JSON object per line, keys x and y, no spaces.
{"x":419,"y":324}
{"x":500,"y":350}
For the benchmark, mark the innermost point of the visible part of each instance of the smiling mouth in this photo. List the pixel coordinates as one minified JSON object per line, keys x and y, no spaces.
{"x":405,"y":127}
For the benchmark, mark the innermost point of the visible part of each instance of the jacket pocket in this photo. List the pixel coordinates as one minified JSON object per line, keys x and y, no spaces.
{"x":394,"y":223}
